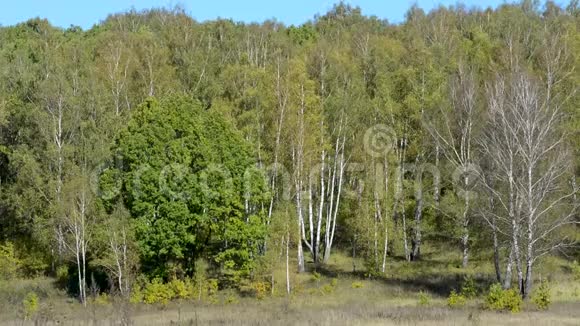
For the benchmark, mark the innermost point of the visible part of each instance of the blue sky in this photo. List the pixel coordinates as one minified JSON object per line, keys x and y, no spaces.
{"x":86,"y":13}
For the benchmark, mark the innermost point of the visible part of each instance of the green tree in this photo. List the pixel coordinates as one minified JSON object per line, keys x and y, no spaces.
{"x":189,"y":182}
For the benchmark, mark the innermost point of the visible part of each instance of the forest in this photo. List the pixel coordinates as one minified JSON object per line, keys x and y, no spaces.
{"x":154,"y":161}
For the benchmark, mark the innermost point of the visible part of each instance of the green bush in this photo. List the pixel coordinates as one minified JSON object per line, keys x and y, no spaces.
{"x":357,"y":285}
{"x":512,"y":301}
{"x":494,"y":299}
{"x":9,"y":264}
{"x":136,"y":294}
{"x":576,"y":270}
{"x":200,"y":278}
{"x":371,"y":268}
{"x":257,"y":289}
{"x":541,"y":297}
{"x":212,"y":287}
{"x":503,"y":300}
{"x":102,"y":299}
{"x":468,"y":288}
{"x":33,"y":264}
{"x":261,"y":289}
{"x":182,"y":289}
{"x":316,"y":277}
{"x":157,"y":292}
{"x":329,"y":287}
{"x":456,"y":300}
{"x":230,"y":297}
{"x":30,"y":305}
{"x":62,"y":275}
{"x":424,"y":299}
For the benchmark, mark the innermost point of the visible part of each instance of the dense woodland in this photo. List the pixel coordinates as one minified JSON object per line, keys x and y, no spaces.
{"x":153,"y":147}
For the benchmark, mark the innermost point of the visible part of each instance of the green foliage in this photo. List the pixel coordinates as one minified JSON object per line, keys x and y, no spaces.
{"x":188,"y":194}
{"x":136,"y":295}
{"x":503,"y":300}
{"x":34,"y":264}
{"x":30,"y":305}
{"x":494,"y":299}
{"x":357,"y":285}
{"x":575,"y":266}
{"x":9,"y":264}
{"x":468,"y":288}
{"x":231,"y":298}
{"x":329,"y":287}
{"x":157,"y":292}
{"x":200,"y":278}
{"x":256,"y":289}
{"x":182,"y":289}
{"x":62,"y":276}
{"x":456,"y":300}
{"x":316,"y":277}
{"x":541,"y":296}
{"x":424,"y":299}
{"x":371,"y":268}
{"x":103,"y":299}
{"x":302,"y":34}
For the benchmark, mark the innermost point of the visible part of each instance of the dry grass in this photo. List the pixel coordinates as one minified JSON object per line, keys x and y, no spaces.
{"x":296,"y":312}
{"x":352,"y":299}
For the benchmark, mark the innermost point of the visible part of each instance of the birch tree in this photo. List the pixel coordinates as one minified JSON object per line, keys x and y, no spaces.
{"x":304,"y":136}
{"x":456,"y":135}
{"x":535,"y":163}
{"x":76,"y":222}
{"x":545,"y":162}
{"x":500,"y":147}
{"x":116,"y":60}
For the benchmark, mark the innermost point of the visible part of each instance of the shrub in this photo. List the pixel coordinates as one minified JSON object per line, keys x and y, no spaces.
{"x":261,"y":289}
{"x":101,"y":299}
{"x":330,"y":287}
{"x":494,"y":299}
{"x":512,"y":301}
{"x":30,"y":305}
{"x":357,"y":285}
{"x":231,"y":299}
{"x":157,"y":292}
{"x":62,"y":275}
{"x":212,"y":287}
{"x":316,"y":276}
{"x":136,"y":294}
{"x":541,"y":297}
{"x":33,"y":264}
{"x":468,"y":288}
{"x":182,"y":289}
{"x":256,"y":289}
{"x":456,"y":300}
{"x":334,"y":282}
{"x":576,"y":270}
{"x":211,"y":290}
{"x":9,"y":263}
{"x":200,"y":277}
{"x":503,"y":300}
{"x":424,"y":299}
{"x":372,"y":270}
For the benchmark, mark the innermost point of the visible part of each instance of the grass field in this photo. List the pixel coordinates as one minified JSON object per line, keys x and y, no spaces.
{"x":409,"y":294}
